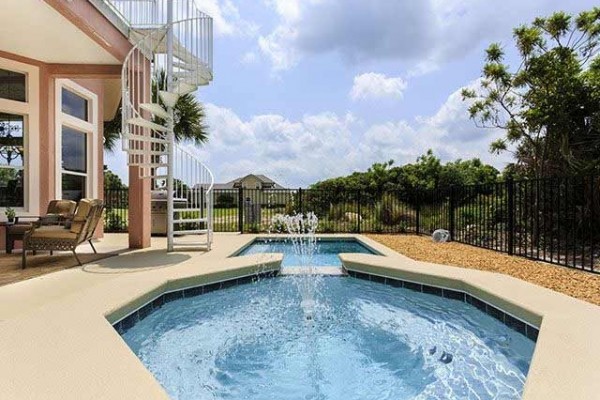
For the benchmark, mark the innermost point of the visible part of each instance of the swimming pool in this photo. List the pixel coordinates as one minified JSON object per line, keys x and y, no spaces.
{"x":366,"y":341}
{"x":326,"y":253}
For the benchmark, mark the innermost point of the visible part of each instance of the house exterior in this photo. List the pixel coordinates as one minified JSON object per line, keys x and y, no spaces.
{"x":61,"y":65}
{"x":250,"y":181}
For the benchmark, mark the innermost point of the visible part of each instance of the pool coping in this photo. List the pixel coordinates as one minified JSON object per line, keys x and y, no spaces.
{"x":57,"y":328}
{"x":320,"y":236}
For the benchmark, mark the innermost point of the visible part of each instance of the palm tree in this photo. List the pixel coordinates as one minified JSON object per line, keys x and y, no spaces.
{"x":189,"y":118}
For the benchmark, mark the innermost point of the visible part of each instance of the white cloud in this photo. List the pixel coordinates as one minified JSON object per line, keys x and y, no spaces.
{"x":226,"y":18}
{"x":249,"y":57}
{"x":375,"y":86}
{"x":276,"y":48}
{"x":319,"y":146}
{"x":422,"y":33}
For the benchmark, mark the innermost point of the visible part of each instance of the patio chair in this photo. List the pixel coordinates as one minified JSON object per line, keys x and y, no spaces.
{"x":58,"y":212}
{"x":57,"y":237}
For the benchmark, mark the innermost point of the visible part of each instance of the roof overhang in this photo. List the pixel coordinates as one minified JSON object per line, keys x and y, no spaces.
{"x":60,"y":32}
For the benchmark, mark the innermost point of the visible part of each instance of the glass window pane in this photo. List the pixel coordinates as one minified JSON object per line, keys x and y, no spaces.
{"x":73,"y":187}
{"x":74,"y":155}
{"x":12,"y":85}
{"x":12,"y":150}
{"x":11,"y":187}
{"x":74,"y":105}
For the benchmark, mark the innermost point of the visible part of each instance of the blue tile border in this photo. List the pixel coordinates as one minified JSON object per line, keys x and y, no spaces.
{"x":124,"y":324}
{"x":513,"y":323}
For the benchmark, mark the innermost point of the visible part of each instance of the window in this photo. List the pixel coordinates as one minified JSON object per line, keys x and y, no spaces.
{"x":74,"y":105}
{"x":12,"y":85}
{"x":76,"y":141}
{"x":74,"y":164}
{"x":12,"y":160}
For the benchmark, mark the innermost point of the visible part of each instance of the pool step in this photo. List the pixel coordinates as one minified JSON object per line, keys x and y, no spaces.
{"x":328,"y":270}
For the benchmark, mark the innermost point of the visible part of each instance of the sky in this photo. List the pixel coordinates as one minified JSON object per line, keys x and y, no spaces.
{"x":306,"y":90}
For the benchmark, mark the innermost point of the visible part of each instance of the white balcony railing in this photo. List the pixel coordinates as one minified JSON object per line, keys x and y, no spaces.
{"x":143,"y":16}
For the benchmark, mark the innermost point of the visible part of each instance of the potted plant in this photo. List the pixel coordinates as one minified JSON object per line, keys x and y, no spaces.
{"x":10,"y":215}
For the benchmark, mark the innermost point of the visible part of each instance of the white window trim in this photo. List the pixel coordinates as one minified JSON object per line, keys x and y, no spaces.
{"x":91,"y":132}
{"x":30,"y":110}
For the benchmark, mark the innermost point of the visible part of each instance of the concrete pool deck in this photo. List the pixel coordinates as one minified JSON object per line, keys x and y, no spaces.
{"x":57,"y":342}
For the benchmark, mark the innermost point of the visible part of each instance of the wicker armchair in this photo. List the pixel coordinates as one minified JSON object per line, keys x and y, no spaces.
{"x":59,"y":212}
{"x":53,"y":237}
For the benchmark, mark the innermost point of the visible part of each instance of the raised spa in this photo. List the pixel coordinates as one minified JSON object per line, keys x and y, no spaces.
{"x":363,"y":340}
{"x":326,"y":251}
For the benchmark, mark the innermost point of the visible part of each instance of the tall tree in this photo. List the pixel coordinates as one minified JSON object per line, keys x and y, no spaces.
{"x":549,"y":106}
{"x":189,"y":118}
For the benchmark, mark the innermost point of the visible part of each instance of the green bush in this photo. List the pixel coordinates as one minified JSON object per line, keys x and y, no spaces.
{"x":326,"y":227}
{"x":114,"y":222}
{"x":390,"y":211}
{"x":337,"y":212}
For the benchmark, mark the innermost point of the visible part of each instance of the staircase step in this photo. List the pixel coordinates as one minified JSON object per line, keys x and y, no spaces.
{"x":147,"y":152}
{"x":149,"y":165}
{"x":170,"y":99}
{"x":185,"y":66}
{"x":156,"y":109}
{"x":191,"y":232}
{"x":190,"y":220}
{"x":201,"y":245}
{"x":144,"y":123}
{"x":187,"y":210}
{"x":142,"y":138}
{"x":183,"y":88}
{"x":194,"y":77}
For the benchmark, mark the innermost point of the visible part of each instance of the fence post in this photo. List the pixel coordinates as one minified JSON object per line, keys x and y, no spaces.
{"x":510,"y":190}
{"x":359,"y":209}
{"x":299,"y":200}
{"x":418,"y":211}
{"x":452,"y":213}
{"x":241,"y":210}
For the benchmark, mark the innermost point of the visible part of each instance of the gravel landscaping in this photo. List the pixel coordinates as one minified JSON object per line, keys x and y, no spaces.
{"x":582,"y":285}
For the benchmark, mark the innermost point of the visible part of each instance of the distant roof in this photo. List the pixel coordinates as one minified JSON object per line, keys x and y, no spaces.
{"x":231,"y":184}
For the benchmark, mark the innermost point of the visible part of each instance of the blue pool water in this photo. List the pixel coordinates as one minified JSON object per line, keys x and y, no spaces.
{"x":326,"y":254}
{"x":365,"y":341}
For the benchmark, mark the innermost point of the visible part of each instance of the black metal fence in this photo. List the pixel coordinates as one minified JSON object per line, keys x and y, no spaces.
{"x":116,"y":211}
{"x":553,"y":220}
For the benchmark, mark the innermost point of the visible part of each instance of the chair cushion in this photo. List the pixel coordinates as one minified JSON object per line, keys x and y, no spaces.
{"x":53,"y":232}
{"x":62,"y":207}
{"x":81,"y":215}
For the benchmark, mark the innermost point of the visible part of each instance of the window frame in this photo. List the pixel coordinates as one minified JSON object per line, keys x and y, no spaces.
{"x":88,"y":128}
{"x":29,"y":110}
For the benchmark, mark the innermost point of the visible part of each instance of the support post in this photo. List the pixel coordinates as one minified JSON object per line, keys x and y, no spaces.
{"x":418,"y":211}
{"x":452,"y":206}
{"x":358,"y":209}
{"x":510,"y":192}
{"x":170,"y":126}
{"x":241,"y":210}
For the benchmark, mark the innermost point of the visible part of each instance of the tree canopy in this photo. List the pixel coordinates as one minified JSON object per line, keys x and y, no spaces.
{"x":549,"y":106}
{"x":189,"y":118}
{"x":427,"y":172}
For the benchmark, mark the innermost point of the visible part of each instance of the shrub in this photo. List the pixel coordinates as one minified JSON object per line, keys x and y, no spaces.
{"x":114,"y":222}
{"x":391,"y":211}
{"x":326,"y":227}
{"x":225,"y":200}
{"x":337,"y":212}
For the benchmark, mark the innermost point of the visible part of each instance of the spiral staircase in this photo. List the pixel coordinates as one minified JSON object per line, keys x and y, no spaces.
{"x":168,"y":61}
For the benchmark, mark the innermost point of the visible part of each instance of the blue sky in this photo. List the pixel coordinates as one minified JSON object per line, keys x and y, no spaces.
{"x":306,"y":90}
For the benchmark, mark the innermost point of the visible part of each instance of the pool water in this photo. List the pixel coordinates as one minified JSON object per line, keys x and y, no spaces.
{"x":326,"y":254}
{"x":365,"y":341}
